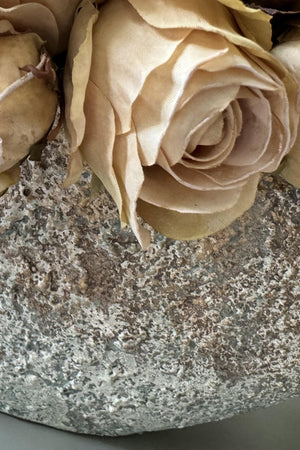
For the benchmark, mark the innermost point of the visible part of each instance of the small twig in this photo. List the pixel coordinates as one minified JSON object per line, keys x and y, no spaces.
{"x":23,"y":80}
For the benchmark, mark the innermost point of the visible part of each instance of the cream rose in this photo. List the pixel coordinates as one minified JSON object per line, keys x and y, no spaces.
{"x":175,"y":111}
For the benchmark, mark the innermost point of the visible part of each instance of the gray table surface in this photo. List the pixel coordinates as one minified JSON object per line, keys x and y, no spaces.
{"x":275,"y":428}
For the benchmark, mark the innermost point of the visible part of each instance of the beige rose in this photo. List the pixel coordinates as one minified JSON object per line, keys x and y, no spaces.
{"x":50,"y":19}
{"x":27,"y":103}
{"x":175,"y":111}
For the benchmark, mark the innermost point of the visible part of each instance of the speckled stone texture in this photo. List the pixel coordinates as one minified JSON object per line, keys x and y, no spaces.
{"x":98,"y":336}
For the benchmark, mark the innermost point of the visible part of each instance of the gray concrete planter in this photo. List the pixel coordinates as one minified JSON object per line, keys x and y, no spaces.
{"x":98,"y":336}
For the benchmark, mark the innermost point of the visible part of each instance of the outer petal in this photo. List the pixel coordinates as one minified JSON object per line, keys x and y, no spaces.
{"x":63,"y":11}
{"x":125,"y":53}
{"x":163,"y":190}
{"x":254,"y":23}
{"x":50,"y":19}
{"x":210,"y":16}
{"x":289,"y":55}
{"x":130,"y":176}
{"x":36,"y":17}
{"x":77,"y":73}
{"x":291,"y":168}
{"x":195,"y":226}
{"x":98,"y":143}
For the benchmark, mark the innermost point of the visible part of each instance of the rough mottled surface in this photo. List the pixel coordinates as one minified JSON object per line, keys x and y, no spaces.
{"x":97,"y":336}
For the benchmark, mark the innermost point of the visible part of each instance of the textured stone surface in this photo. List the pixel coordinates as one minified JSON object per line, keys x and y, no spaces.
{"x":97,"y":336}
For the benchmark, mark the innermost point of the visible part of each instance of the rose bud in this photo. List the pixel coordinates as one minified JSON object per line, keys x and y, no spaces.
{"x":176,"y":112}
{"x":28,"y":101}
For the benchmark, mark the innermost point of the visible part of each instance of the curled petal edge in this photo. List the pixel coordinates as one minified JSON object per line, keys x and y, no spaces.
{"x":196,"y":226}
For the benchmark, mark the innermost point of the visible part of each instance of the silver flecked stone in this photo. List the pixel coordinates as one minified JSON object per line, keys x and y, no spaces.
{"x":98,"y":336}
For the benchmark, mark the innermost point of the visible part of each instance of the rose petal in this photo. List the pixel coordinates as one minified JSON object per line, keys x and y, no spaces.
{"x":9,"y":3}
{"x":254,"y":23}
{"x":63,"y":11}
{"x":231,"y":68}
{"x":162,"y":190}
{"x":134,"y":59}
{"x":206,"y":157}
{"x":288,"y":54}
{"x":6,"y":28}
{"x":195,"y":226}
{"x":157,"y":101}
{"x":51,"y":19}
{"x":256,"y":131}
{"x":194,"y":178}
{"x":34,"y":16}
{"x":130,"y":176}
{"x":193,"y":14}
{"x":98,"y":143}
{"x":206,"y":103}
{"x":77,"y":71}
{"x":291,"y":168}
{"x":209,"y":16}
{"x":209,"y":132}
{"x":268,"y":162}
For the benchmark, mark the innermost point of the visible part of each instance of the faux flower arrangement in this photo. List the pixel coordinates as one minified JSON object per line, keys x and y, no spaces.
{"x":177,"y":106}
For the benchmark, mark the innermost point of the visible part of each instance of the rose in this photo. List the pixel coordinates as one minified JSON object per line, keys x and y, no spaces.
{"x":50,"y":19}
{"x":143,"y":144}
{"x":288,"y":53}
{"x":28,"y":102}
{"x":175,"y":112}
